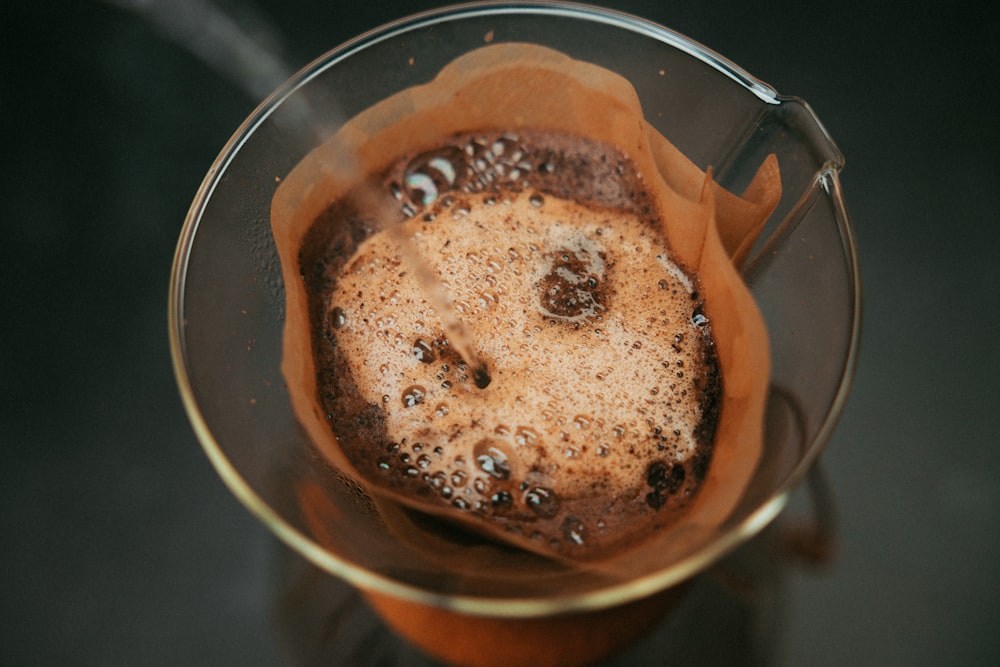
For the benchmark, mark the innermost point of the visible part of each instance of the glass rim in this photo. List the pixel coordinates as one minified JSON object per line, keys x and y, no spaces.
{"x":359,"y":576}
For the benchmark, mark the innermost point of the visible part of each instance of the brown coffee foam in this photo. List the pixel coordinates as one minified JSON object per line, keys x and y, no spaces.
{"x":552,"y":425}
{"x":513,"y":86}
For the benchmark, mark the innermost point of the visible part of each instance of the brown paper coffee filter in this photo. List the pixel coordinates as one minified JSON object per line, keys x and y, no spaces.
{"x":520,"y":86}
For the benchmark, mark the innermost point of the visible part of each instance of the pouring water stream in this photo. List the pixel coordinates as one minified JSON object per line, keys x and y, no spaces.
{"x":242,"y":47}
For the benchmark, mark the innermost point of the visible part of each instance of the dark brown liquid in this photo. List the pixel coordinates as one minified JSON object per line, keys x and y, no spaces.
{"x":585,"y":487}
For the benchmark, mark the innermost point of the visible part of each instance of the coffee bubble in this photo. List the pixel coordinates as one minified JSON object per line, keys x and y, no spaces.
{"x":501,"y":500}
{"x":492,"y":459}
{"x":423,"y":351}
{"x":431,"y":175}
{"x":573,"y":530}
{"x":542,"y":501}
{"x":338,"y":318}
{"x":413,"y":395}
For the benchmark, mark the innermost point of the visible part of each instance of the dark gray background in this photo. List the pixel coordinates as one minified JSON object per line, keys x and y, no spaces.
{"x":120,"y":546}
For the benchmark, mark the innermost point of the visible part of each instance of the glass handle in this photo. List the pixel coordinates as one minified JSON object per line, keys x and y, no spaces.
{"x":812,"y":540}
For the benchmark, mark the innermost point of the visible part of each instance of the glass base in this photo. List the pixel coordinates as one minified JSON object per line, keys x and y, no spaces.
{"x":730,"y":615}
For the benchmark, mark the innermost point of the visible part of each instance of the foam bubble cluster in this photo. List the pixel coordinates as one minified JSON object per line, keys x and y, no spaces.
{"x":600,"y":412}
